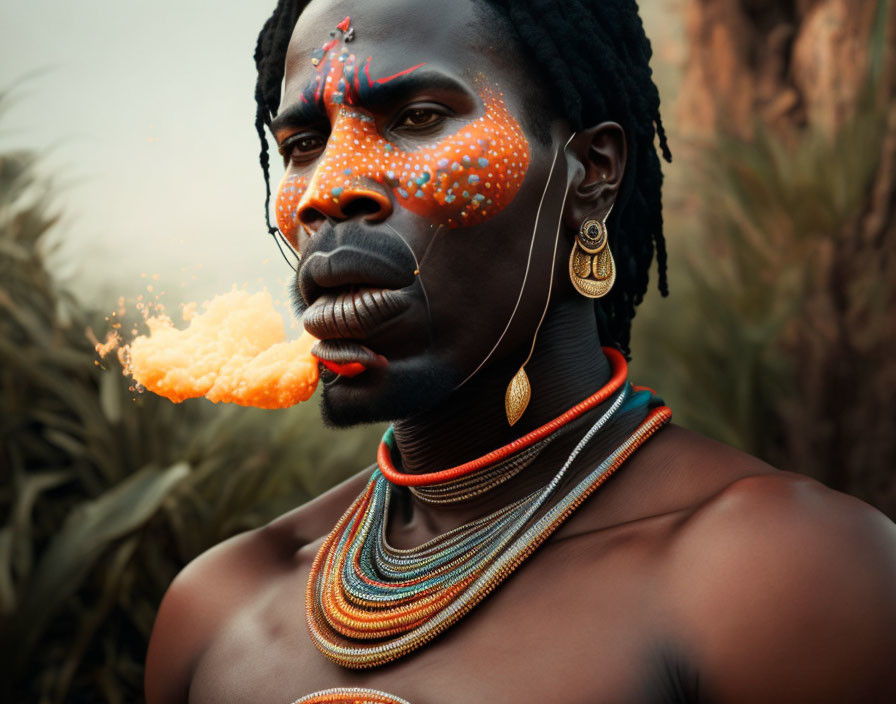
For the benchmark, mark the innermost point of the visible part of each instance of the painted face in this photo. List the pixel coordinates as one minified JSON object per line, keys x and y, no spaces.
{"x":412,"y":190}
{"x":461,"y":179}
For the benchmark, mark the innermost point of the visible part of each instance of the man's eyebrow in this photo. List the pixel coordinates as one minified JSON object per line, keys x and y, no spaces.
{"x":375,"y":93}
{"x":393,"y":89}
{"x":304,"y":112}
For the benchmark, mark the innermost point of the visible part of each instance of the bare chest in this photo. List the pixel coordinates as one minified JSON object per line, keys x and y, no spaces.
{"x":572,"y":625}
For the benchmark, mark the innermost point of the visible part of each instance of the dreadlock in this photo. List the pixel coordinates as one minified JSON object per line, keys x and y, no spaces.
{"x":595,"y":56}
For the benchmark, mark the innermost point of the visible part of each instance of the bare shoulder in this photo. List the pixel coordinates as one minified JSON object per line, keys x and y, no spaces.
{"x":216,"y":584}
{"x":788,"y":593}
{"x":311,"y":521}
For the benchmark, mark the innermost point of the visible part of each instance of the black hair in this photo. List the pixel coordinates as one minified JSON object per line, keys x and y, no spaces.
{"x":595,"y":57}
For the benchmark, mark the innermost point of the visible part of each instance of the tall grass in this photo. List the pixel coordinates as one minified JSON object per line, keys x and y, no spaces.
{"x":778,"y":338}
{"x":104,"y":496}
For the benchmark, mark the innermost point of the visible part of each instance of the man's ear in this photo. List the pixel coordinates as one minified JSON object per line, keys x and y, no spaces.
{"x":599,"y":154}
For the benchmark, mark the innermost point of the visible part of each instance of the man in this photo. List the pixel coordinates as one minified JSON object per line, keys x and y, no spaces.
{"x":450,"y":173}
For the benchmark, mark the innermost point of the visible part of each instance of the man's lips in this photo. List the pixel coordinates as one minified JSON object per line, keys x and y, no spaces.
{"x":322,"y":271}
{"x":347,"y":357}
{"x":351,"y":369}
{"x":354,"y":281}
{"x":353,"y":314}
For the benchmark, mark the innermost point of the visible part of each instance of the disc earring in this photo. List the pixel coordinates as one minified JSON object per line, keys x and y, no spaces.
{"x":591,"y":266}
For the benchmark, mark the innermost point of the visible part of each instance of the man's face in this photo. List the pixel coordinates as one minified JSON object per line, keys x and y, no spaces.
{"x":411,"y":191}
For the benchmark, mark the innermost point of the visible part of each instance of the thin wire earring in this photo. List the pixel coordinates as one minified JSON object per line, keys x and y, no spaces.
{"x":418,"y":272}
{"x":278,"y":239}
{"x":519,"y":298}
{"x":519,"y":390}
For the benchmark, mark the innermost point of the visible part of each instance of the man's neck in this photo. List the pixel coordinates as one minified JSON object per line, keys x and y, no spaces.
{"x":567,"y":366}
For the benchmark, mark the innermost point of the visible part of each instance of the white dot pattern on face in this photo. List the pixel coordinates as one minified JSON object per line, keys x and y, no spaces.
{"x":460,"y":180}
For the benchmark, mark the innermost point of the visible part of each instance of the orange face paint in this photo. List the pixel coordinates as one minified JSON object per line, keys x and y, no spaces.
{"x":462,"y":179}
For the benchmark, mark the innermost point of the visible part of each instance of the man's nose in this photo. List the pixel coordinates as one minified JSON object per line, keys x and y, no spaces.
{"x":347,"y":181}
{"x":324,"y":201}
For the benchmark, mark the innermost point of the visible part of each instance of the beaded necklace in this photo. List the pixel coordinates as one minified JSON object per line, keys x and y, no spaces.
{"x":368,"y":603}
{"x":384,"y":458}
{"x":479,"y":483}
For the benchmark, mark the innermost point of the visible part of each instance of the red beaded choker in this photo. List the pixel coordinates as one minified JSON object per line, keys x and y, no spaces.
{"x":384,"y":455}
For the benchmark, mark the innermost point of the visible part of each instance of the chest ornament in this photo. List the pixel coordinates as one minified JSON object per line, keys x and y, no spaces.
{"x":369,"y":603}
{"x":350,"y":695}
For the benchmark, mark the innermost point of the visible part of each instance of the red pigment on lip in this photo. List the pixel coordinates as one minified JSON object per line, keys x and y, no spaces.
{"x":348,"y":369}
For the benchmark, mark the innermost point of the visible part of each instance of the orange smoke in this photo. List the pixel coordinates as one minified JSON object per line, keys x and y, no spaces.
{"x":235,"y":351}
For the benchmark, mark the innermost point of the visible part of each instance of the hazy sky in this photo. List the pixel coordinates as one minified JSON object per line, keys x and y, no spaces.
{"x":143,"y":115}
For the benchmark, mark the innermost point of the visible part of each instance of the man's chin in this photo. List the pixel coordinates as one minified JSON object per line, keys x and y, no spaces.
{"x":402,"y":390}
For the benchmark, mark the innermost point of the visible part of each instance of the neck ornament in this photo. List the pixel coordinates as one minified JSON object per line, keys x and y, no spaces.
{"x":368,"y":603}
{"x":384,"y":455}
{"x":478,"y":483}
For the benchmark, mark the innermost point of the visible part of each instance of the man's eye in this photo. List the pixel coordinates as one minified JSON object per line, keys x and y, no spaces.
{"x":301,"y":147}
{"x":417,"y":118}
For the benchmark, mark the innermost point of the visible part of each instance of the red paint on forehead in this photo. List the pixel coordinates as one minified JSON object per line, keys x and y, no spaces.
{"x":339,"y":79}
{"x":380,"y":81}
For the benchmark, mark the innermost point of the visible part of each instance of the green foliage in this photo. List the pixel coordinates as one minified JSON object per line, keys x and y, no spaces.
{"x":784,"y":320}
{"x":104,"y":496}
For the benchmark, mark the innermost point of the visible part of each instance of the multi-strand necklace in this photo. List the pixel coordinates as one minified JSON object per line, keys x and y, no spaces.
{"x":478,"y":483}
{"x":368,"y":603}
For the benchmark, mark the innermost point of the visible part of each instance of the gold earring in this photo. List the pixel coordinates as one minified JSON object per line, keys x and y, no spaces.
{"x":591,"y":266}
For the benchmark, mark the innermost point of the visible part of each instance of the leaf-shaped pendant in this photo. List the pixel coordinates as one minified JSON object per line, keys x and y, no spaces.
{"x":516,"y":399}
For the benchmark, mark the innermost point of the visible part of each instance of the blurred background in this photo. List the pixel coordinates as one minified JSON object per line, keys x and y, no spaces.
{"x":128,"y":169}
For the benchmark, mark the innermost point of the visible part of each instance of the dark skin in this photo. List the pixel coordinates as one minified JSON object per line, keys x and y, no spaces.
{"x":696,"y":573}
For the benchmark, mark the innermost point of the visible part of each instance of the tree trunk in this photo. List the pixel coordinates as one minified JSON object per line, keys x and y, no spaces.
{"x":783,"y":63}
{"x":798,"y":70}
